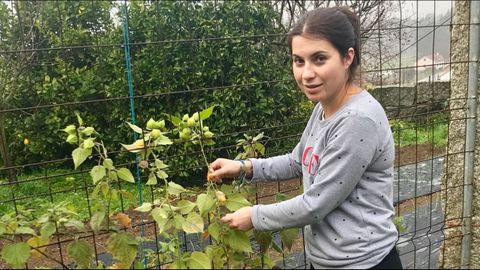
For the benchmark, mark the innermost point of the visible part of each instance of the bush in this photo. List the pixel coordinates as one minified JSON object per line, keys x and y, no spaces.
{"x":174,"y":54}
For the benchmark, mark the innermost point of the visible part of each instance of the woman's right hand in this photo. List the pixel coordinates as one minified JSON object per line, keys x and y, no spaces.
{"x":224,"y":168}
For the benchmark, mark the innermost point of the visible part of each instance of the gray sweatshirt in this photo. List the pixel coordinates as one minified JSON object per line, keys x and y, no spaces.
{"x":346,"y":208}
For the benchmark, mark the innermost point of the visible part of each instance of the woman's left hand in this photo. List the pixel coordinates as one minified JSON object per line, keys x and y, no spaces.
{"x":240,"y":219}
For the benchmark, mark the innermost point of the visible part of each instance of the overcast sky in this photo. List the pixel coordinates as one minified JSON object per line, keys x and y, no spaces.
{"x":426,"y":7}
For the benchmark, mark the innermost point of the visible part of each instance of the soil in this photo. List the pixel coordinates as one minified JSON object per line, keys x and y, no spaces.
{"x":266,"y":193}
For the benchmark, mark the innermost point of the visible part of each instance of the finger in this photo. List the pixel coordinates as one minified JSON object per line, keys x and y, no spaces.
{"x":217,"y":164}
{"x":227,"y":218}
{"x":217,"y":176}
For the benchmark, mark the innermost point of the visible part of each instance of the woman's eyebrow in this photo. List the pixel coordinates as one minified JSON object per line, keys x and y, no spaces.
{"x":313,"y":55}
{"x":319,"y":53}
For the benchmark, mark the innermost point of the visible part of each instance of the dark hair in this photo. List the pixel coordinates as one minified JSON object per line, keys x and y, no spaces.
{"x":338,"y":25}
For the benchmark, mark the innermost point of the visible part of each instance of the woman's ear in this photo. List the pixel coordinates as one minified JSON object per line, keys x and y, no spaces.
{"x":348,"y":59}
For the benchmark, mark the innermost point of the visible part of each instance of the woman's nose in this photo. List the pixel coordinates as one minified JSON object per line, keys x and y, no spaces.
{"x":308,"y":73}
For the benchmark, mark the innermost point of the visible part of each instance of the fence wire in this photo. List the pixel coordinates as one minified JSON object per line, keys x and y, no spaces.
{"x":60,"y":57}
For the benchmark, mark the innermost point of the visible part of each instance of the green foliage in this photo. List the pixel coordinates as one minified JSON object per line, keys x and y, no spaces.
{"x":433,"y":131}
{"x":288,"y":237}
{"x":81,"y":252}
{"x":123,"y":248}
{"x":92,"y":73}
{"x":398,"y":221}
{"x":172,"y":213}
{"x":199,"y":260}
{"x":16,"y":254}
{"x":250,"y":146}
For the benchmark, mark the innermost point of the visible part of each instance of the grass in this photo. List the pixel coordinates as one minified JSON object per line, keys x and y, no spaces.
{"x":37,"y":191}
{"x":432,"y":131}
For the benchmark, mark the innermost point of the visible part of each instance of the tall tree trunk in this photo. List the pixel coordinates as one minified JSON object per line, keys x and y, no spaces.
{"x":12,"y":177}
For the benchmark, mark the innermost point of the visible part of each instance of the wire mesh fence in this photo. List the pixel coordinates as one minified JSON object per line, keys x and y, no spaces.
{"x":128,"y":61}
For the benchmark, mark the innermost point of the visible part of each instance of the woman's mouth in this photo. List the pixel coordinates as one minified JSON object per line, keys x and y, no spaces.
{"x":312,"y":88}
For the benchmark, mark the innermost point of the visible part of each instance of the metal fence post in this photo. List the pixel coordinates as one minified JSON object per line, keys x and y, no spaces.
{"x":470,"y":133}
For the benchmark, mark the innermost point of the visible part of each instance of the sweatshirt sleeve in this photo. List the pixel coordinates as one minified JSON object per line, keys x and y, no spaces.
{"x":286,"y":166}
{"x":351,"y":147}
{"x":278,"y":168}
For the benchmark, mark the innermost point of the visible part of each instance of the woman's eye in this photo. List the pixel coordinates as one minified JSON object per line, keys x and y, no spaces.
{"x":297,"y":61}
{"x":320,"y":59}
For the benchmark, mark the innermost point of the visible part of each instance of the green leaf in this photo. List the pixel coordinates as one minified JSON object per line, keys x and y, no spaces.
{"x":16,"y":254}
{"x":288,"y":237}
{"x":125,"y":175}
{"x":237,"y":260}
{"x":214,"y":230}
{"x":79,"y":119}
{"x":135,"y":128}
{"x":236,"y":201}
{"x":152,"y":179}
{"x":175,"y":189}
{"x":164,"y":225}
{"x":144,"y":208}
{"x":178,"y":221}
{"x":204,"y":203}
{"x":215,"y":254}
{"x":280,"y":197}
{"x":277,"y":247}
{"x":105,"y":188}
{"x":175,"y":120}
{"x":47,"y":230}
{"x":209,"y":142}
{"x":193,"y":223}
{"x":81,"y":252}
{"x":112,"y":175}
{"x":264,"y":239}
{"x":185,"y":206}
{"x":239,"y":241}
{"x":79,"y":155}
{"x":162,"y":174}
{"x":25,"y":230}
{"x":206,"y":113}
{"x":227,"y":189}
{"x":75,"y":224}
{"x":137,"y":146}
{"x":37,"y":244}
{"x":97,"y":220}
{"x":160,"y":216}
{"x":160,"y":165}
{"x":199,"y":260}
{"x":108,"y":163}
{"x":138,"y":265}
{"x":163,"y":140}
{"x":98,"y":173}
{"x":260,"y":148}
{"x":3,"y":228}
{"x":398,"y":222}
{"x":123,"y":248}
{"x":258,"y":137}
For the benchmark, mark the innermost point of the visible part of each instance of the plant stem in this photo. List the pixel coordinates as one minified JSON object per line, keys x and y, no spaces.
{"x":108,"y":205}
{"x":201,"y":143}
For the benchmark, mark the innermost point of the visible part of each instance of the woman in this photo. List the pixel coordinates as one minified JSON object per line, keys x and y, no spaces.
{"x":345,"y":155}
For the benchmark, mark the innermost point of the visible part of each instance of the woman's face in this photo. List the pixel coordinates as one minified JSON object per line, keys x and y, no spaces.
{"x":318,"y":68}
